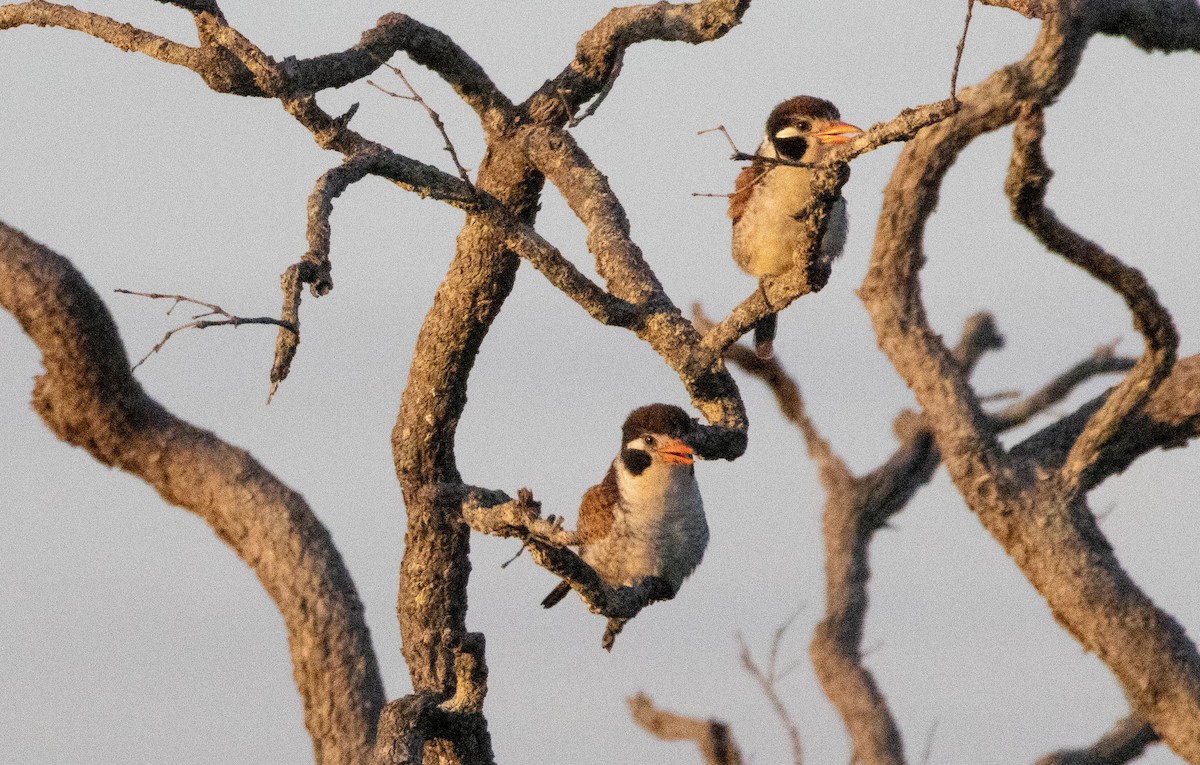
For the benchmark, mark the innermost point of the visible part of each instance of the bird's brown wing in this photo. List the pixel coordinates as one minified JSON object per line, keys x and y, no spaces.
{"x":597,"y":510}
{"x":742,"y":188}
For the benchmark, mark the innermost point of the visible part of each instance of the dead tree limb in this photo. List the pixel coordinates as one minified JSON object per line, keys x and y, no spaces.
{"x":858,"y":506}
{"x":712,"y":737}
{"x":1038,"y":515}
{"x":88,"y":397}
{"x":1126,"y":742}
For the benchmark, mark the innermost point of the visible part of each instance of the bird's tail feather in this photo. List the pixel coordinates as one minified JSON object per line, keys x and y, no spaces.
{"x":610,"y":633}
{"x":556,"y":595}
{"x":764,"y":335}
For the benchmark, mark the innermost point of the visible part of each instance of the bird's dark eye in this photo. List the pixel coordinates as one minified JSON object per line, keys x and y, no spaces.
{"x":792,"y":148}
{"x":803,"y":126}
{"x":648,"y":440}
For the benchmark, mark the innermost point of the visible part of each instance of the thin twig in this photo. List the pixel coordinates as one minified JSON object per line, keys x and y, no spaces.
{"x":437,"y":120}
{"x":928,"y":751}
{"x":724,"y":132}
{"x":199,"y":321}
{"x":962,"y":42}
{"x":768,"y":682}
{"x":604,"y":91}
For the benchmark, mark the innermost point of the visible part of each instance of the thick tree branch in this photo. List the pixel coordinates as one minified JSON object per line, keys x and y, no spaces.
{"x":123,"y":36}
{"x":620,"y":262}
{"x":429,"y":47}
{"x":88,"y":398}
{"x":711,"y":737}
{"x":1028,"y":178}
{"x":231,"y":63}
{"x":855,"y":507}
{"x":1041,"y":520}
{"x":891,"y":290}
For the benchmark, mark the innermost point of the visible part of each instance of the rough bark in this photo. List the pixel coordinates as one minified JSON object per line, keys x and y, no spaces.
{"x":88,"y":398}
{"x":1040,"y":518}
{"x":1032,"y":499}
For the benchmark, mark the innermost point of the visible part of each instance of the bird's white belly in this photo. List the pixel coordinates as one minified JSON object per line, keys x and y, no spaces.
{"x":661,"y":535}
{"x":765,"y":238}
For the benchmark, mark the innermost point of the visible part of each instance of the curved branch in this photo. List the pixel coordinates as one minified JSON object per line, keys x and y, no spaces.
{"x":429,"y":47}
{"x":891,"y":290}
{"x":620,"y":262}
{"x":1169,"y":419}
{"x":1028,"y":177}
{"x":88,"y":398}
{"x":1126,"y":742}
{"x":230,"y":63}
{"x":712,"y":737}
{"x":600,"y":50}
{"x":328,"y":187}
{"x":123,"y":36}
{"x":857,"y":506}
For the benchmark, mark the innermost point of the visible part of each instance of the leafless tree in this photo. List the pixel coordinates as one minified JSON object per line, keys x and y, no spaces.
{"x":1032,"y":498}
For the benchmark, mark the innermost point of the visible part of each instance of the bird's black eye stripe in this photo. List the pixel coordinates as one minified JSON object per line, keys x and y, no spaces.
{"x":791,"y":148}
{"x":636,"y":461}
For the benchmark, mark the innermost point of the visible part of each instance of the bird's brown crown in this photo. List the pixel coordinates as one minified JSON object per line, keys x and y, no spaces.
{"x":662,"y":419}
{"x":798,"y":108}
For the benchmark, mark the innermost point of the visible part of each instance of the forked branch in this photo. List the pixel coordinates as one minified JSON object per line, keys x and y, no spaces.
{"x":201,"y":320}
{"x":1028,"y":178}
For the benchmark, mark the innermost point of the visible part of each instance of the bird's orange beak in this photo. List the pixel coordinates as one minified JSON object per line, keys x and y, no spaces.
{"x":676,"y":452}
{"x":839,"y":132}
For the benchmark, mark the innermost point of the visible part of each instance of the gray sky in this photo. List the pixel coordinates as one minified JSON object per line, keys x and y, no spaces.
{"x":130,"y":634}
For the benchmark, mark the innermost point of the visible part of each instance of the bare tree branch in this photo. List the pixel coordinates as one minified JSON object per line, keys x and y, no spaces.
{"x":429,"y":47}
{"x":628,"y":277}
{"x":433,"y":116}
{"x":1043,"y":522}
{"x":768,"y":681}
{"x":88,"y":398}
{"x":1102,"y":361}
{"x":123,"y":36}
{"x":199,"y":321}
{"x":1028,"y":178}
{"x":1126,"y":742}
{"x":711,"y":737}
{"x":600,"y":50}
{"x":855,"y":507}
